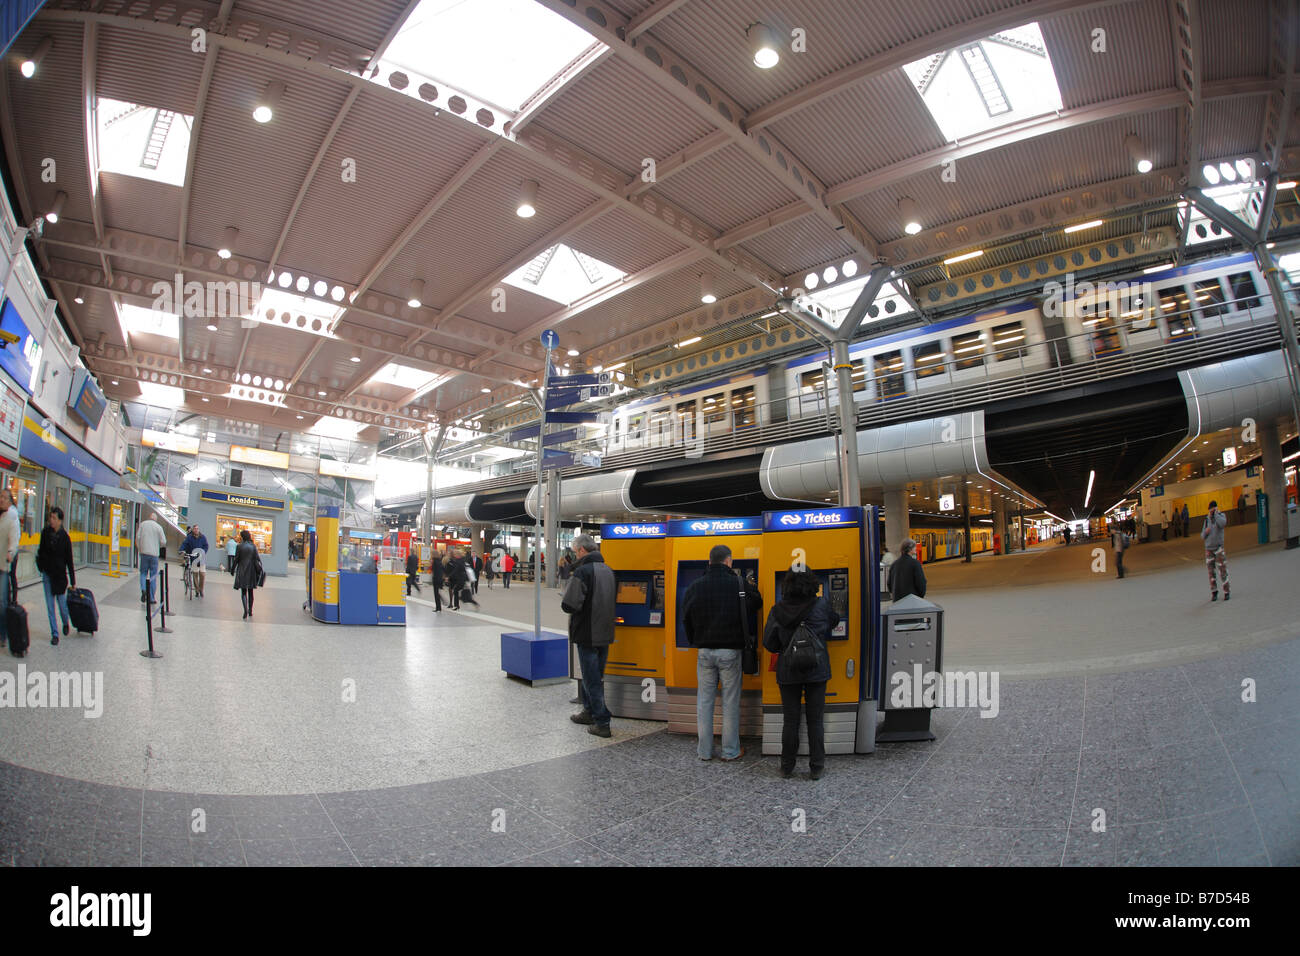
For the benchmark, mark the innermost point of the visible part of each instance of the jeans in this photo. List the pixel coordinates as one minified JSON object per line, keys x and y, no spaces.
{"x":505,"y":577}
{"x":148,"y":572}
{"x":714,"y":663}
{"x":815,"y":710}
{"x":591,"y":690}
{"x":4,"y":605}
{"x":50,"y":600}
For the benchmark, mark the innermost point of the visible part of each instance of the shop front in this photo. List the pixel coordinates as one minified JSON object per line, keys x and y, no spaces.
{"x":56,"y":471}
{"x":223,"y":512}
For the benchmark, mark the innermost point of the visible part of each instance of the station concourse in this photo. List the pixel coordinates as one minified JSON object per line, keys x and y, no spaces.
{"x":354,"y":298}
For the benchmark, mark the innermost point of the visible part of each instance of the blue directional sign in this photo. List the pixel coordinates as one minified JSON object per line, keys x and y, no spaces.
{"x":573,"y":418}
{"x":703,"y":527}
{"x":581,"y":379}
{"x":528,"y":431}
{"x":560,"y":438}
{"x":550,"y":338}
{"x":630,"y":530}
{"x":556,"y":459}
{"x":813,"y":518}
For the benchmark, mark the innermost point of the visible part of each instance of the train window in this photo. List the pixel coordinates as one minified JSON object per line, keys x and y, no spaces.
{"x":661,"y":424}
{"x":635,"y":427}
{"x":968,"y":350}
{"x":1209,"y":298}
{"x":810,"y":382}
{"x":859,"y":375}
{"x":715,"y":411}
{"x":888,"y":368}
{"x":927,"y":359}
{"x":1243,"y":290}
{"x":744,"y":407}
{"x":1007,"y":341}
{"x":1105,"y":336}
{"x":686,"y":420}
{"x":1175,"y":306}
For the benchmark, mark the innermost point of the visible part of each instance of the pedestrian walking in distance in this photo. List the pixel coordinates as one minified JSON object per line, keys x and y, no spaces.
{"x":1212,"y":538}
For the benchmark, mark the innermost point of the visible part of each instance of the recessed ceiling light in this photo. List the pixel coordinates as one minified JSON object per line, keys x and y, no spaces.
{"x":79,"y":300}
{"x":29,"y":65}
{"x":527,"y":207}
{"x":265,"y":108}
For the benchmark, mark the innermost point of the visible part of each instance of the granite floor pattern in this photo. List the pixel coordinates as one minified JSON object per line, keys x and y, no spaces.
{"x":1184,"y":771}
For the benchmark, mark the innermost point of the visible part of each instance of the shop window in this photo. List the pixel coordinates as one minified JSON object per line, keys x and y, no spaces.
{"x":928,"y":359}
{"x":258,"y":528}
{"x":968,"y":350}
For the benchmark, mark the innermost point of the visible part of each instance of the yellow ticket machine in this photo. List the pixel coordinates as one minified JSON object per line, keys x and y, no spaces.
{"x":634,"y":673}
{"x":838,"y":545}
{"x":689,"y":543}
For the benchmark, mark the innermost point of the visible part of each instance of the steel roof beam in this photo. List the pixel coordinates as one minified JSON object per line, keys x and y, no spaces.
{"x":1185,"y":20}
{"x":1284,"y":17}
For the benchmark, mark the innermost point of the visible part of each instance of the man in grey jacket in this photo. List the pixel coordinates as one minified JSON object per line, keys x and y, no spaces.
{"x":589,"y":602}
{"x":1212,"y":536}
{"x":10,"y":539}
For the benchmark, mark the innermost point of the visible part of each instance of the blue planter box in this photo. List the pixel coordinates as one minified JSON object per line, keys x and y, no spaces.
{"x":543,"y":658}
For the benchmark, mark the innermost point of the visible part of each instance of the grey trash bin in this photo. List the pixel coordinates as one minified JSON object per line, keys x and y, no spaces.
{"x":912,"y":628}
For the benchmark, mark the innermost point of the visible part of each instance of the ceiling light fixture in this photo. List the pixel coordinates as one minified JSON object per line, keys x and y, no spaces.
{"x":615,"y":367}
{"x":30,"y":64}
{"x":685,"y":342}
{"x":59,"y":199}
{"x":527,"y":207}
{"x":706,"y":289}
{"x":765,"y":46}
{"x":415,"y":298}
{"x":910,"y":216}
{"x":1080,"y":226}
{"x":1141,"y":158}
{"x":356,"y":358}
{"x":79,"y":300}
{"x":1087,"y":497}
{"x":266,"y":106}
{"x":963,"y":257}
{"x":485,"y":390}
{"x":212,"y":326}
{"x":228,"y":246}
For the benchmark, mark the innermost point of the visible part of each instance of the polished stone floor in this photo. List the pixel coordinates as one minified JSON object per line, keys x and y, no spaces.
{"x":239,"y":747}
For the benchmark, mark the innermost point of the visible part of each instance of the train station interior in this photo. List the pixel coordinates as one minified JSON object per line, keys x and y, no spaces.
{"x":343,"y":296}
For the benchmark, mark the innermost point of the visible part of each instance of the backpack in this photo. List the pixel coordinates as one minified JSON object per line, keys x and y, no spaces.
{"x":801,"y":652}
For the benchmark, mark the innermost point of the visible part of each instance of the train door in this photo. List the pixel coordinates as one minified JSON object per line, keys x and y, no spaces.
{"x":1175,"y":315}
{"x":717,"y":414}
{"x":744,"y":407}
{"x":887,"y":370}
{"x":687,"y":427}
{"x":1056,"y":343}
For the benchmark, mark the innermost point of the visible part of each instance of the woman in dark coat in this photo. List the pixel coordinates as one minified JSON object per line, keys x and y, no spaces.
{"x":248,"y":571}
{"x":801,"y":605}
{"x":54,"y":561}
{"x":435,"y":572}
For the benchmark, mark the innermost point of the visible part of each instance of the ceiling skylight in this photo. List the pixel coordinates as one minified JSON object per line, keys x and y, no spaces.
{"x":317,"y":317}
{"x":839,"y":299}
{"x":329,"y":426}
{"x":162,"y":396}
{"x":143,"y":141}
{"x":989,"y":83}
{"x":403,"y":376}
{"x":500,"y":51}
{"x":136,"y":319}
{"x":564,"y":275}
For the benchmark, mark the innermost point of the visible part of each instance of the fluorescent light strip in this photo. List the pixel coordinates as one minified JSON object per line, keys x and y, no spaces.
{"x":963,"y":257}
{"x":1088,"y":496}
{"x":1079,"y":227}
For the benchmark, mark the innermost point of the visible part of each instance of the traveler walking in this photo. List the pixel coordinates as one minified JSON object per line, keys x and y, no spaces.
{"x":151,"y":545}
{"x":54,"y":561}
{"x":589,"y":602}
{"x":797,"y":629}
{"x":194,"y":549}
{"x":478,"y":573}
{"x":231,"y":547}
{"x":906,"y":576}
{"x":715,"y":613}
{"x":10,"y":539}
{"x":436,"y":575}
{"x":412,"y":571}
{"x":1212,"y":538}
{"x":1120,"y":542}
{"x":1187,"y":521}
{"x":248,"y":571}
{"x":489,"y":568}
{"x":507,"y":569}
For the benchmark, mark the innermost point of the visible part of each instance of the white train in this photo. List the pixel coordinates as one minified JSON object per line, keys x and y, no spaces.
{"x":1071,"y":323}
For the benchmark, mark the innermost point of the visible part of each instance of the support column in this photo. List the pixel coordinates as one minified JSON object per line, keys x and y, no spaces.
{"x":850,"y":485}
{"x":897,"y":526}
{"x":1000,"y":523}
{"x":965,"y":510}
{"x":1274,"y":479}
{"x":552,"y":526}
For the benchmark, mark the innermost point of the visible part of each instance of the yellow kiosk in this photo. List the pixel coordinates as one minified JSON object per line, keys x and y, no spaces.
{"x":836,"y":544}
{"x":634,"y":673}
{"x":689,"y":543}
{"x":364,"y":593}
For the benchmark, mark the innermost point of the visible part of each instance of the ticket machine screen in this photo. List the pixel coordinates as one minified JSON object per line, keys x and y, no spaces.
{"x":835,"y":588}
{"x":639,"y":598}
{"x":688,"y":572}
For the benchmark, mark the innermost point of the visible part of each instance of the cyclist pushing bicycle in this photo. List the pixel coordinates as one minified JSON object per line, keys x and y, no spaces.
{"x":193,"y":551}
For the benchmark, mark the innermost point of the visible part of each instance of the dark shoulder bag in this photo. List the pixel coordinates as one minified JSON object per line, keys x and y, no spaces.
{"x":749,"y":651}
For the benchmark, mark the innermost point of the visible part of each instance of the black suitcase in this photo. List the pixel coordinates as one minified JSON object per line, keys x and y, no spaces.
{"x":82,"y":610}
{"x":16,"y":619}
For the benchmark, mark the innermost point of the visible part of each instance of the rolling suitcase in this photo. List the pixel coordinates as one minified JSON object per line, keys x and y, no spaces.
{"x":16,"y":622}
{"x":82,"y":610}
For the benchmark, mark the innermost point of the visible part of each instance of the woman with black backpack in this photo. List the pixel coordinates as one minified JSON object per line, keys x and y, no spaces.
{"x":797,"y":629}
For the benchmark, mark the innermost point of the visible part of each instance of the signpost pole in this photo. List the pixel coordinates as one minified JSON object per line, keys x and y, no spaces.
{"x":550,"y":339}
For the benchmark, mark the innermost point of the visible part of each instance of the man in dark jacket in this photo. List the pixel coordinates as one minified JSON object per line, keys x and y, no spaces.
{"x":435,"y":568}
{"x":412,"y":570}
{"x":905,"y":574}
{"x":712,"y":612}
{"x":589,"y":602}
{"x":58,"y":571}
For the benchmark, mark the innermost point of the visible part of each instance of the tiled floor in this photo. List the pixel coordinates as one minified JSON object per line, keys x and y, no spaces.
{"x":442,"y":760}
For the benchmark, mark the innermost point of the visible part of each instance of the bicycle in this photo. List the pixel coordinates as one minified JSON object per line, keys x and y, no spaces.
{"x":188,"y":562}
